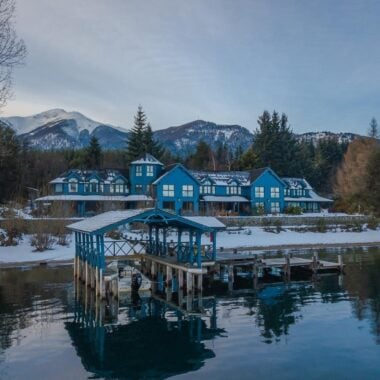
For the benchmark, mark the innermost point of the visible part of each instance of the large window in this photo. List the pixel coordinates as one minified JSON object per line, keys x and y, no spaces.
{"x":73,"y":186}
{"x":187,"y":190}
{"x":138,"y":170}
{"x":259,"y":192}
{"x":58,"y":188}
{"x":233,"y":189}
{"x":149,"y":171}
{"x":275,"y":192}
{"x":275,"y":207}
{"x":168,"y":190}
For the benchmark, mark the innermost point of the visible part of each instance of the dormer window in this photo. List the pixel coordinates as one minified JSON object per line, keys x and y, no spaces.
{"x":119,"y":186}
{"x":94,"y":186}
{"x":138,"y":170}
{"x":73,"y":185}
{"x":149,"y":171}
{"x":233,"y":189}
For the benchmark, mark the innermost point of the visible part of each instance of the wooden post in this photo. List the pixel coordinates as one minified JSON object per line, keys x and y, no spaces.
{"x":315,"y":262}
{"x":169,"y":274}
{"x":340,"y":262}
{"x":199,"y":249}
{"x":287,"y":268}
{"x":189,"y":282}
{"x":231,"y":277}
{"x":180,"y":278}
{"x":200,"y":282}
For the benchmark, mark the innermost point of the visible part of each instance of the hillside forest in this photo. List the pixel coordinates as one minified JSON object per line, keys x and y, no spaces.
{"x":350,"y":173}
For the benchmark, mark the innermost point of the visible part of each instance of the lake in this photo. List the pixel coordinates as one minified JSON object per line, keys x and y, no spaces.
{"x":323,"y":329}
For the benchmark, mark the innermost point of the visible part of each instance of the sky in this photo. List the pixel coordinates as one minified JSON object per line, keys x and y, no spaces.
{"x":216,"y":60}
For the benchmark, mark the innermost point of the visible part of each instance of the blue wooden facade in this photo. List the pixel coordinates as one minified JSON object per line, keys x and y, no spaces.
{"x":187,"y":192}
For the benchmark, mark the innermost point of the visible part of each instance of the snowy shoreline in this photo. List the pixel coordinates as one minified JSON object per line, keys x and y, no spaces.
{"x":248,"y":238}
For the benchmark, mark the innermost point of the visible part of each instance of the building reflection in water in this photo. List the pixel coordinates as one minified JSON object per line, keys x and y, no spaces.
{"x":141,"y":337}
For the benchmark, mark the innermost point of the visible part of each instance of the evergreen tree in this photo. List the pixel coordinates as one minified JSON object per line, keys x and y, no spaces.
{"x":93,"y":154}
{"x":150,"y":145}
{"x":201,"y":159}
{"x":137,"y":139}
{"x":10,"y":163}
{"x":373,"y":129}
{"x":275,"y":145}
{"x":373,"y":181}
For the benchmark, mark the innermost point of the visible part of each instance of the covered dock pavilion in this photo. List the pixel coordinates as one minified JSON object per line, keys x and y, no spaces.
{"x":180,"y":256}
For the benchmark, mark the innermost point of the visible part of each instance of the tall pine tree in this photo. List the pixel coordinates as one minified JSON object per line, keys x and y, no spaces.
{"x":93,"y":155}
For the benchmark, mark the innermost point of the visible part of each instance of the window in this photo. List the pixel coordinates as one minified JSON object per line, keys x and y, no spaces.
{"x":58,"y":188}
{"x":139,"y":189}
{"x":187,"y":190}
{"x":73,"y":186}
{"x":259,"y":192}
{"x":168,"y":190}
{"x":207,"y":189}
{"x":275,"y":207}
{"x":275,"y":192}
{"x":94,"y":186}
{"x":233,"y":189}
{"x":138,"y":170}
{"x":149,"y":170}
{"x":259,"y":207}
{"x":119,"y":186}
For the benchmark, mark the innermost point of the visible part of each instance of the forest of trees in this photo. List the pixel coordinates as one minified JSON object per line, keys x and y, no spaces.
{"x":346,"y":172}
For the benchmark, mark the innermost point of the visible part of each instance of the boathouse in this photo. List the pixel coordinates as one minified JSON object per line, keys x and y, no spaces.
{"x":184,"y":256}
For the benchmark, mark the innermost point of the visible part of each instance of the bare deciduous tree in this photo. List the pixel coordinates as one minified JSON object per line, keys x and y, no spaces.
{"x":12,"y":48}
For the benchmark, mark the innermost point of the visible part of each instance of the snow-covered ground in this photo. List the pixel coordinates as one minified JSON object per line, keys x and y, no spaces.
{"x":246,"y":237}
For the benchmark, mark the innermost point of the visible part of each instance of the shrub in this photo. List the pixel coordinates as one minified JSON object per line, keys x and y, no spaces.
{"x":278,"y":225}
{"x":13,"y":230}
{"x":42,"y":241}
{"x":293,"y":210}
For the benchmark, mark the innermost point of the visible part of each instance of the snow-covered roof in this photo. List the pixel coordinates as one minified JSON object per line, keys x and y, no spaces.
{"x":112,"y":219}
{"x":107,"y":175}
{"x":147,"y":159}
{"x":208,"y":221}
{"x":100,"y":221}
{"x":296,"y":183}
{"x":222,"y":178}
{"x":96,"y":198}
{"x":314,"y":197}
{"x":225,"y":199}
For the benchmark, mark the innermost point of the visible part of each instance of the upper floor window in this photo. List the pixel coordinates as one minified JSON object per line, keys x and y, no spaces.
{"x":275,"y":192}
{"x":168,"y":190}
{"x":58,"y":188}
{"x":207,"y":189}
{"x":149,"y":171}
{"x":233,"y":190}
{"x":73,"y":186}
{"x":94,"y":186}
{"x":187,"y":190}
{"x":138,"y":170}
{"x":119,"y":186}
{"x":259,"y":192}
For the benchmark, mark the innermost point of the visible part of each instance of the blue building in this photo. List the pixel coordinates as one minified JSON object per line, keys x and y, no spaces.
{"x":187,"y":192}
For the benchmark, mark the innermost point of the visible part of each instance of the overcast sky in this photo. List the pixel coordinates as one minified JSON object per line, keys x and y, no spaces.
{"x":222,"y":61}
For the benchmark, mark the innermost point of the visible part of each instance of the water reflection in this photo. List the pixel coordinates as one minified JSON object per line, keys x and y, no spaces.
{"x":145,"y":338}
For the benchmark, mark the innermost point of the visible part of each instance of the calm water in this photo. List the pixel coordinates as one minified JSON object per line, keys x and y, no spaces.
{"x":328,"y":329}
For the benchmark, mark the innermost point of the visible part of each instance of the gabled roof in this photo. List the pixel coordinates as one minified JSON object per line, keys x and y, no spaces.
{"x":255,"y":174}
{"x":107,"y":175}
{"x":110,"y":220}
{"x":172,"y":167}
{"x":147,"y":159}
{"x":294,"y":183}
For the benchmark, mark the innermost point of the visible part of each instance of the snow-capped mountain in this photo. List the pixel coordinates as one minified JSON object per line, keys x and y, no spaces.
{"x":316,"y":137}
{"x":58,"y":129}
{"x":183,"y":139}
